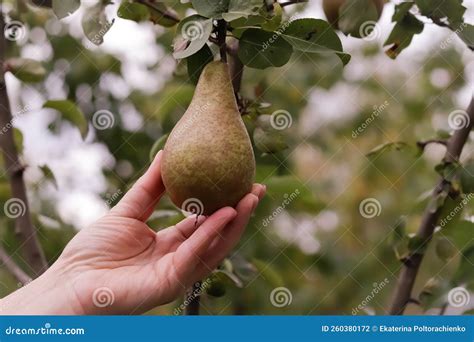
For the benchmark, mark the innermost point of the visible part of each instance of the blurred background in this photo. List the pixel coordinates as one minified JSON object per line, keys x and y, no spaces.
{"x":312,"y":234}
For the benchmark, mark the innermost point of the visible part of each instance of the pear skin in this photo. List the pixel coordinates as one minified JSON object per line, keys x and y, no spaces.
{"x":208,"y":161}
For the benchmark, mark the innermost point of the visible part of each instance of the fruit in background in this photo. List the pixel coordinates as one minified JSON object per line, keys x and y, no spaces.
{"x":208,"y":161}
{"x":331,"y":10}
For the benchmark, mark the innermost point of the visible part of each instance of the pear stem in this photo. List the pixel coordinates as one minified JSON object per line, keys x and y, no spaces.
{"x":221,"y":35}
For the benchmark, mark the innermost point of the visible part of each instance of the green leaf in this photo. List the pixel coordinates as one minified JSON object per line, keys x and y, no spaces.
{"x":133,"y":11}
{"x":48,"y":174}
{"x":18,"y":139}
{"x":157,"y":146}
{"x":70,"y":112}
{"x":63,"y":8}
{"x":215,"y":285}
{"x":197,"y":62}
{"x":269,"y":141}
{"x":466,"y":33}
{"x":274,"y":22}
{"x":314,"y":35}
{"x":358,"y":17}
{"x":268,"y":273}
{"x":211,"y":9}
{"x":261,"y":49}
{"x":467,"y":177}
{"x":464,"y":272}
{"x":445,"y":249}
{"x":416,"y":244}
{"x":451,"y":11}
{"x":238,"y":9}
{"x":461,"y":234}
{"x":387,"y":147}
{"x":432,"y":292}
{"x":405,"y":28}
{"x":195,"y":30}
{"x":95,"y":24}
{"x":26,"y":70}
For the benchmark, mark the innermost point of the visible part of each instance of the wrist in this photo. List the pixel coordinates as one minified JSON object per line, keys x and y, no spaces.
{"x":49,"y":294}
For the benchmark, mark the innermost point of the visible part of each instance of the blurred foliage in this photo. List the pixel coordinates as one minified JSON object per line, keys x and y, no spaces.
{"x":308,"y":234}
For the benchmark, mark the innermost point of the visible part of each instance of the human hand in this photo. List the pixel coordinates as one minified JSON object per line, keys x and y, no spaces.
{"x":119,"y":265}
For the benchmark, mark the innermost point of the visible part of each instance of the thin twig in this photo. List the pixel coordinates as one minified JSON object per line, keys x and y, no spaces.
{"x":14,"y":269}
{"x":221,"y":35}
{"x":24,"y":229}
{"x":287,"y":3}
{"x":153,"y":6}
{"x":429,"y":220}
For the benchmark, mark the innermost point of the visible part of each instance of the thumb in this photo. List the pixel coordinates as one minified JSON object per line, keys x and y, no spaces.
{"x":139,"y":202}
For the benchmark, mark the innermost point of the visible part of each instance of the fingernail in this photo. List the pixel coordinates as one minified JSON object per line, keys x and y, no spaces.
{"x":255,"y":203}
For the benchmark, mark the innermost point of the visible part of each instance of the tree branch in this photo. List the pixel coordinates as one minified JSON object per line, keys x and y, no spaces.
{"x":429,"y":220}
{"x":14,"y":269}
{"x":221,"y":35}
{"x":153,"y":6}
{"x":24,"y":228}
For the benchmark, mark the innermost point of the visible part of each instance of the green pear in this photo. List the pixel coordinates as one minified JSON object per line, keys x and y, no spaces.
{"x":208,"y":161}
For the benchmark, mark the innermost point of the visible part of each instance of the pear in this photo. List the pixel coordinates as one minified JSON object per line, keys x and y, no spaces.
{"x":208,"y":161}
{"x":331,"y":10}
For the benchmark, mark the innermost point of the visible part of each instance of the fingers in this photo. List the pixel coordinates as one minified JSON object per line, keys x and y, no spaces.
{"x":226,"y":241}
{"x":139,"y":202}
{"x":191,"y":252}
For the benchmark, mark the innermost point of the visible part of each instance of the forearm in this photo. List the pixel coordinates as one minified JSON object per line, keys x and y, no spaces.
{"x":46,"y":295}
